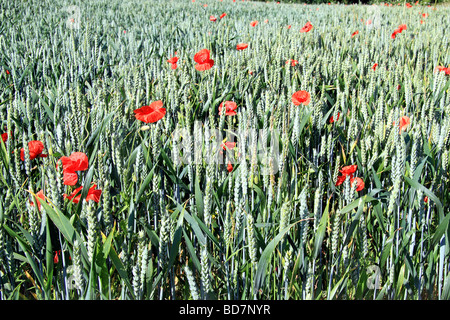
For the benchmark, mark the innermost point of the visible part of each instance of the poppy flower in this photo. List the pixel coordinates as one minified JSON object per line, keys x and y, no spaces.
{"x":394,"y":34}
{"x":337,"y":118}
{"x":307,"y":27}
{"x":151,"y":113}
{"x":35,"y":148}
{"x":421,"y":21}
{"x":222,"y":15}
{"x":5,"y":137}
{"x":203,"y":60}
{"x":359,"y":183}
{"x":266,"y":21}
{"x":301,"y":97}
{"x":425,"y":199}
{"x":374,"y":67}
{"x":212,"y":18}
{"x":402,"y":27}
{"x":349,"y":170}
{"x":228,"y":145}
{"x":40,"y":195}
{"x":93,"y":194}
{"x":408,"y":5}
{"x":56,"y":257}
{"x":292,"y":62}
{"x":229,"y":167}
{"x":254,"y":23}
{"x":368,"y":22}
{"x":340,"y":180}
{"x":77,"y":161}
{"x":425,"y":15}
{"x":289,"y":26}
{"x":404,"y":123}
{"x":355,"y":33}
{"x":241,"y":46}
{"x":173,"y":61}
{"x":7,"y":71}
{"x":230,"y":107}
{"x":443,"y":69}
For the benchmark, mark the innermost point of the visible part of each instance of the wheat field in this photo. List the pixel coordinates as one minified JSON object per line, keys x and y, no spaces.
{"x":224,"y":150}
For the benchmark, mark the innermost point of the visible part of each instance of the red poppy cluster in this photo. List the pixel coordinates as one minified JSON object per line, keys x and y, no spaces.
{"x":349,"y":171}
{"x":400,"y":29}
{"x":77,"y":161}
{"x":307,"y":27}
{"x":93,"y":194}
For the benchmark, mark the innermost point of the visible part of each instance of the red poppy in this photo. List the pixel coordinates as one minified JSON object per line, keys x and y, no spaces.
{"x":340,"y":180}
{"x":374,"y":67}
{"x":289,"y":26}
{"x":421,"y":21}
{"x":203,"y":60}
{"x":222,"y":15}
{"x":307,"y":27}
{"x":404,"y":123}
{"x":402,"y":27}
{"x":394,"y":34}
{"x":40,"y":195}
{"x":229,"y":167}
{"x":173,"y":61}
{"x":93,"y":194}
{"x":241,"y":46}
{"x":425,"y":199}
{"x":212,"y":18}
{"x":355,"y":33}
{"x":152,"y":113}
{"x":337,"y":118}
{"x":7,"y":71}
{"x":35,"y":148}
{"x":408,"y":5}
{"x":230,"y":108}
{"x":205,"y":5}
{"x":77,"y":161}
{"x":399,"y":87}
{"x":359,"y":183}
{"x":5,"y":137}
{"x":301,"y":97}
{"x":425,"y":15}
{"x":292,"y":62}
{"x":266,"y":21}
{"x":442,"y":69}
{"x":228,"y":145}
{"x":56,"y":258}
{"x":368,"y":22}
{"x":254,"y":23}
{"x":349,"y":170}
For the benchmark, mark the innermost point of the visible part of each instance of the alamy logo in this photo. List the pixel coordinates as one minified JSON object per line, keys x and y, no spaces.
{"x":206,"y":145}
